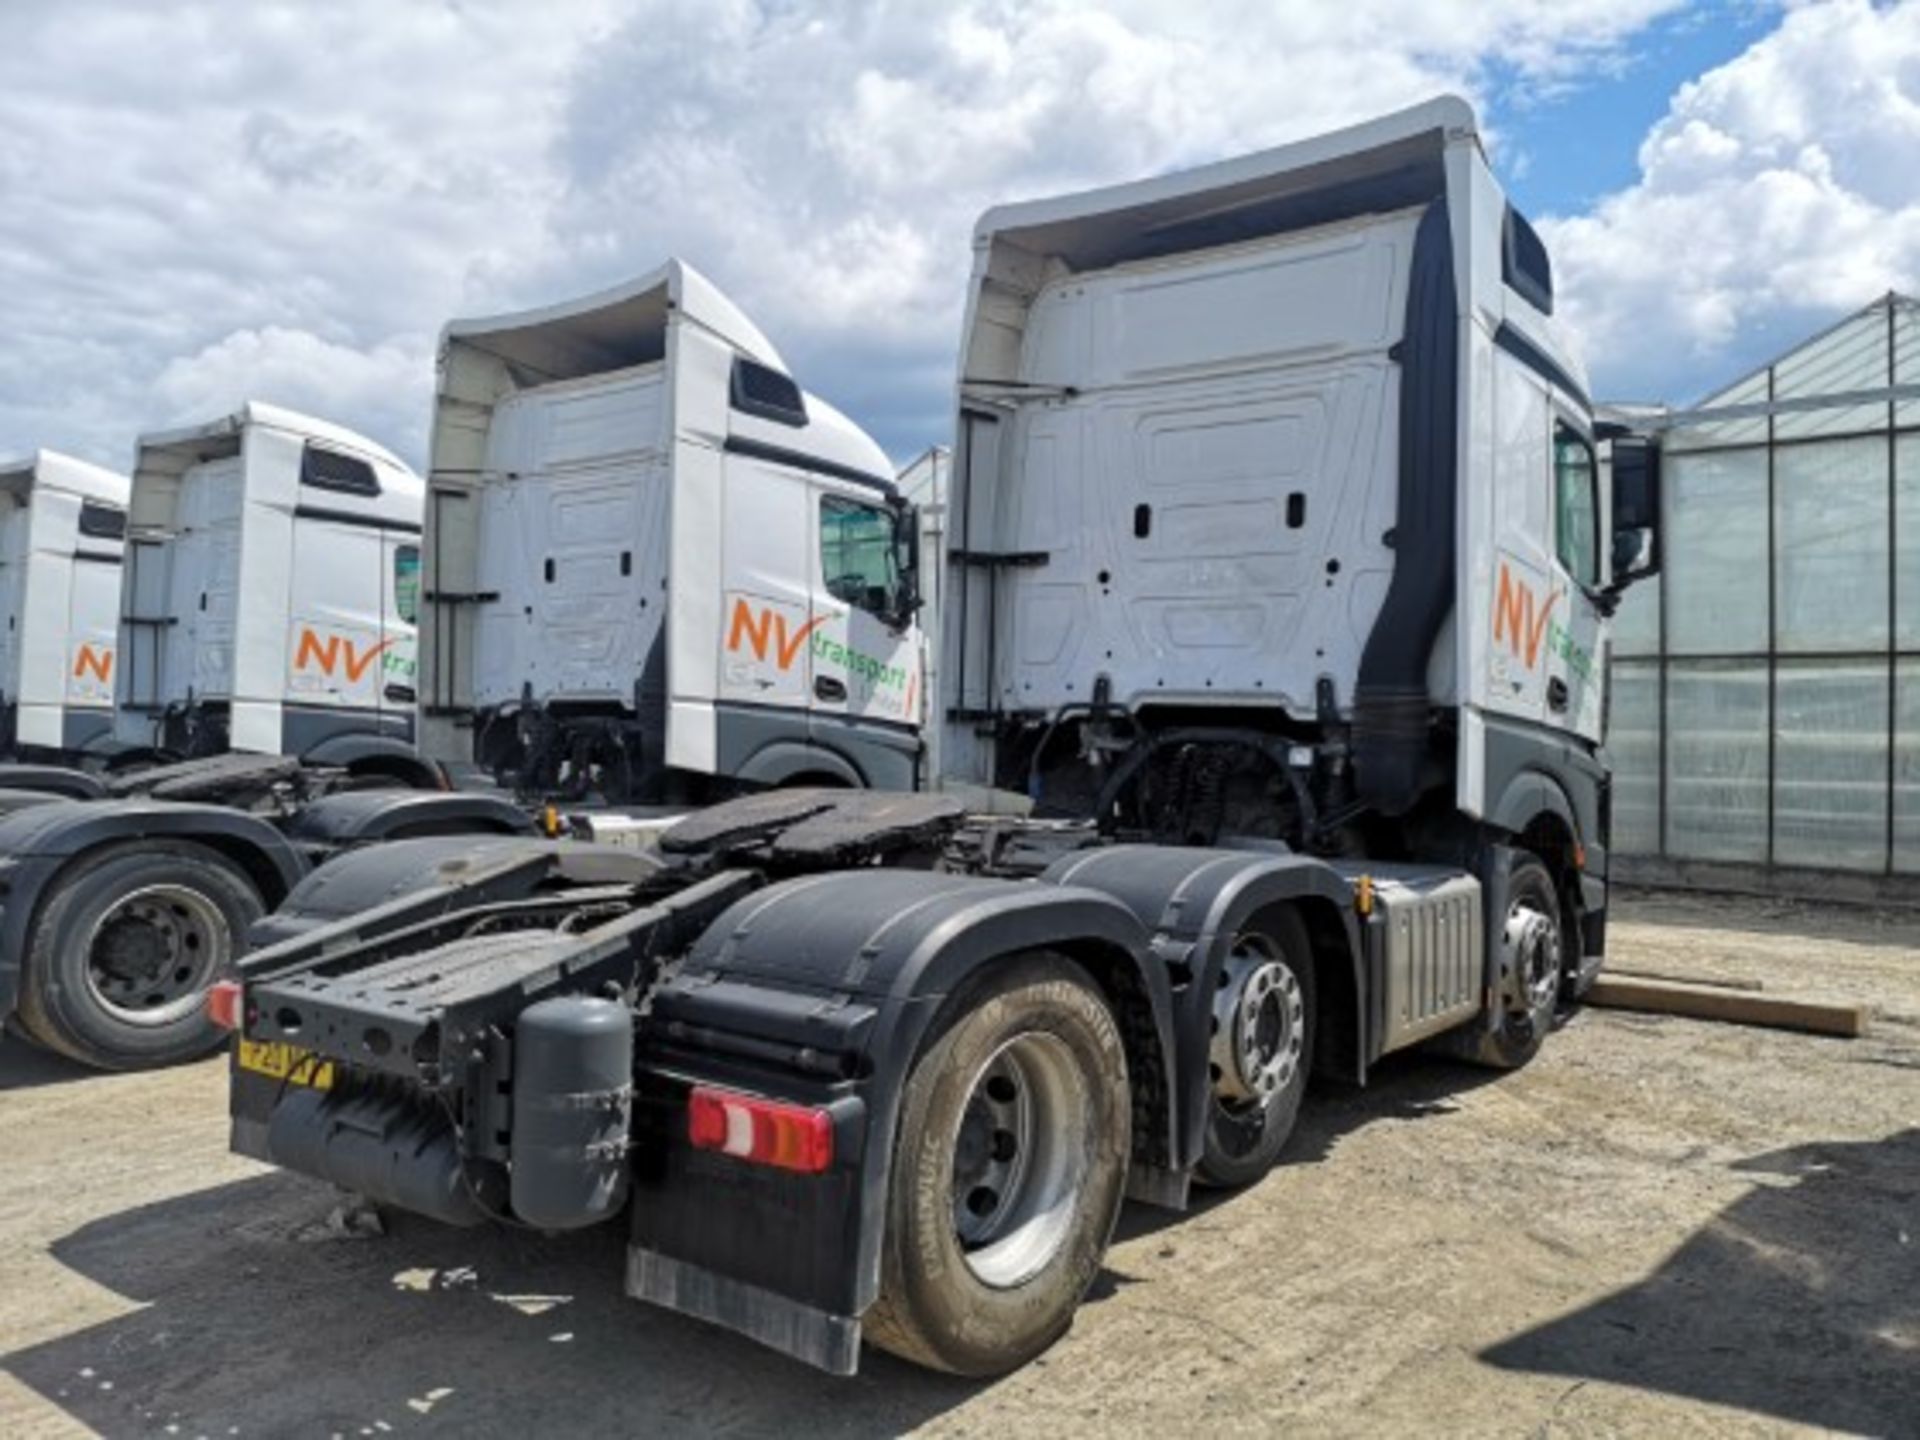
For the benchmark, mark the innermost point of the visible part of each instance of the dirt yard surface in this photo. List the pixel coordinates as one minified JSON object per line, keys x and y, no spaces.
{"x":1662,"y":1227}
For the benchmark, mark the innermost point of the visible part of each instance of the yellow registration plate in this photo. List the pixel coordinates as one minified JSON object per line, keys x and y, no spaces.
{"x":278,"y":1060}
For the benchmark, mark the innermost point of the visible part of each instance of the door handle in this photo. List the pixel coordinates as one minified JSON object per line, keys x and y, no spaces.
{"x":1556,"y":694}
{"x":828,"y":688}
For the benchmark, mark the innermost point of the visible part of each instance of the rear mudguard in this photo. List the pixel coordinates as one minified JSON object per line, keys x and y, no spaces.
{"x":60,"y":780}
{"x":822,"y":990}
{"x":1193,"y":903}
{"x":389,"y":753}
{"x":463,"y":870}
{"x":38,"y":844}
{"x":364,"y":817}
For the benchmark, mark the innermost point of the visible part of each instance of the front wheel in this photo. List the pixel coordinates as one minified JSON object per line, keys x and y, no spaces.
{"x":124,"y":949}
{"x":1261,"y":1052}
{"x":1009,"y":1165}
{"x":1532,"y":950}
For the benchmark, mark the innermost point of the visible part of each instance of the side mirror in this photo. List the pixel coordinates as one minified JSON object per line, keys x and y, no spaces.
{"x":906,"y":563}
{"x":1636,"y":510}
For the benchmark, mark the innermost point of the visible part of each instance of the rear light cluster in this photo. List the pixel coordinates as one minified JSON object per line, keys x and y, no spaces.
{"x":223,"y":1004}
{"x":765,"y":1132}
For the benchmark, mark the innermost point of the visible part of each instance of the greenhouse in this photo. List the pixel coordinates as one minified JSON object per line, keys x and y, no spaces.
{"x":1766,"y":688}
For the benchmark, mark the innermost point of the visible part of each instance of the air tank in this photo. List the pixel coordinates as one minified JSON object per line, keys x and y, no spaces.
{"x":572,"y":1104}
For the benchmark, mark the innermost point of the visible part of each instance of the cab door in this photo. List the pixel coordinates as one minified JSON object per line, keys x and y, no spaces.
{"x":1544,"y":569}
{"x":337,"y":635}
{"x":865,"y":665}
{"x":1575,"y":668}
{"x":766,"y":619}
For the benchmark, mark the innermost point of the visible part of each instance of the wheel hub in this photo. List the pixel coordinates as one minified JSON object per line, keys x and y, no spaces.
{"x":132,"y":950}
{"x":153,"y":952}
{"x":1532,"y":941}
{"x":1019,"y":1159}
{"x":1259,"y":1024}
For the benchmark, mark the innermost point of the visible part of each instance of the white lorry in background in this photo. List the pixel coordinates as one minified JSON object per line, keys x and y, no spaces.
{"x":1279,"y":574}
{"x":61,"y":527}
{"x":657,"y":569}
{"x":271,"y":578}
{"x":265,"y":675}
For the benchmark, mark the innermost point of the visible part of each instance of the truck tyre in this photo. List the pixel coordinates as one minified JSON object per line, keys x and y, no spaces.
{"x":1532,"y":942}
{"x":1262,"y":1050}
{"x":1009,"y":1164}
{"x":124,"y":948}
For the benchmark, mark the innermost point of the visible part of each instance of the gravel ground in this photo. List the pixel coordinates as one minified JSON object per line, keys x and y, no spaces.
{"x":1662,"y":1227}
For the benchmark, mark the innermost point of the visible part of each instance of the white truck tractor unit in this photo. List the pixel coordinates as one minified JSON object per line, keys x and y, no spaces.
{"x":265,"y":674}
{"x":62,"y":523}
{"x":1279,"y":573}
{"x":655,"y":567}
{"x":271,"y":580}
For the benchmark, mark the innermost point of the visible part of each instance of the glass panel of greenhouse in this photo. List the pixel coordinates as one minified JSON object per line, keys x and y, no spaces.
{"x":1765,"y":706}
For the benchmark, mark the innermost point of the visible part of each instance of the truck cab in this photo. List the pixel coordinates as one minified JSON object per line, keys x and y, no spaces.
{"x":269,"y":594}
{"x":1276,"y":512}
{"x":62,"y":528}
{"x":656,"y":568}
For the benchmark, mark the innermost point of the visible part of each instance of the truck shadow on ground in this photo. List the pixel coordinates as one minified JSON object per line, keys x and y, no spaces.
{"x":259,"y":1314}
{"x":1800,"y":1301}
{"x":263,"y":1316}
{"x":25,"y":1066}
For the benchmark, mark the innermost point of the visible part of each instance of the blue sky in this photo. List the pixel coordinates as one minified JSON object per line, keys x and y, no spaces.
{"x":1566,"y":145}
{"x":209,"y":202}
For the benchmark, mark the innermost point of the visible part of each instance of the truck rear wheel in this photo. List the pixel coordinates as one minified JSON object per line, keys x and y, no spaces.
{"x":1009,"y":1166}
{"x":1262,"y":1051}
{"x":124,"y":949}
{"x":1532,"y":962}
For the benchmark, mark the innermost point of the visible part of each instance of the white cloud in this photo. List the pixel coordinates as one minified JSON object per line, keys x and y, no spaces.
{"x":204,"y":200}
{"x":1779,"y":190}
{"x":379,"y":388}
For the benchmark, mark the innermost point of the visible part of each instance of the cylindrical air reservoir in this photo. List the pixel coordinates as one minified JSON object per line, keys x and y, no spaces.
{"x":572,"y":1103}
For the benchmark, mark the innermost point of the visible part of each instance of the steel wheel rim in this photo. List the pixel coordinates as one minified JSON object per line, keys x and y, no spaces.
{"x":151,"y":954}
{"x":1259,"y":1026}
{"x":1020,"y":1159}
{"x":1533,"y":948}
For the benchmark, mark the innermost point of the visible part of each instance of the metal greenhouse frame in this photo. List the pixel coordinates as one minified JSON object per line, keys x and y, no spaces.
{"x":1766,"y":692}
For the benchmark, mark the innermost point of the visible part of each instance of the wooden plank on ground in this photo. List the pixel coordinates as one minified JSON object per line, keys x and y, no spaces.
{"x":1717,"y":982}
{"x":1701,"y":1002}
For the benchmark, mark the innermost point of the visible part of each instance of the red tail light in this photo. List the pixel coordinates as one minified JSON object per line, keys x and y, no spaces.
{"x":223,"y":1004}
{"x":787,"y":1137}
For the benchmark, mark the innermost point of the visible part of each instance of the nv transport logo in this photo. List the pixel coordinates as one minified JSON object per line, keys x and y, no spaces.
{"x":768,"y":628}
{"x":770,"y":637}
{"x":1519,"y":619}
{"x":94,"y":660}
{"x":1524,"y":625}
{"x":335,"y":654}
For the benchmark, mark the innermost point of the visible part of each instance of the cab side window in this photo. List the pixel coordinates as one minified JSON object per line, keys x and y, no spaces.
{"x":856,"y":553}
{"x":406,"y":583}
{"x":1576,"y":505}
